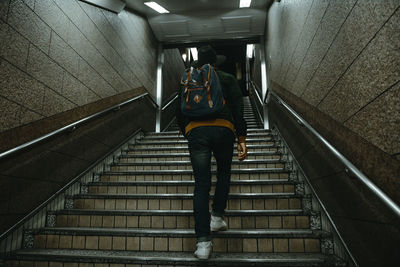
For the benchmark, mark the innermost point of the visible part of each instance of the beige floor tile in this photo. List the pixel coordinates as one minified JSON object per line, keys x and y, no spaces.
{"x":265,"y":245}
{"x":235,"y":245}
{"x":281,"y":245}
{"x":296,"y":245}
{"x":146,"y":243}
{"x":52,"y":241}
{"x":66,"y":241}
{"x":312,"y":245}
{"x":84,"y":220}
{"x":133,"y":243}
{"x":40,"y":241}
{"x":289,"y":222}
{"x":78,"y":242}
{"x":249,"y":245}
{"x":175,"y":244}
{"x":96,"y":221}
{"x":105,"y":242}
{"x":144,"y":221}
{"x":160,"y":244}
{"x":92,"y":242}
{"x":119,"y":243}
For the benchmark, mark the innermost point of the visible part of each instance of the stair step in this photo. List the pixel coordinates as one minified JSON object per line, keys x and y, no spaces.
{"x":170,"y":259}
{"x":180,"y":219}
{"x":176,"y":132}
{"x":190,"y":172}
{"x":179,"y":144}
{"x":181,"y":137}
{"x":174,"y":187}
{"x":187,"y":162}
{"x":178,"y":240}
{"x":182,"y":175}
{"x":156,"y":156}
{"x":236,"y":201}
{"x":186,"y":165}
{"x":249,"y":141}
{"x":259,"y":148}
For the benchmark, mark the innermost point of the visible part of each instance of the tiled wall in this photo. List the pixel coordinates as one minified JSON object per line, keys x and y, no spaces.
{"x":337,"y":64}
{"x":60,"y":61}
{"x":58,"y":55}
{"x":172,"y":72}
{"x":343,"y":58}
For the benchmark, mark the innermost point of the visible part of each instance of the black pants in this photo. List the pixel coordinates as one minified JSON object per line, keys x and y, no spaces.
{"x":202,"y":142}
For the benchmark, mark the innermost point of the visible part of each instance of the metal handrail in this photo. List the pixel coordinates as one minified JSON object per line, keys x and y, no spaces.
{"x":259,"y":99}
{"x":357,"y":173}
{"x":68,"y":185}
{"x":257,"y":93}
{"x":173,"y":97}
{"x":72,"y":126}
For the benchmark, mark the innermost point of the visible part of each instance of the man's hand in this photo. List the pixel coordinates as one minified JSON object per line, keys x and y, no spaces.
{"x":242,"y":151}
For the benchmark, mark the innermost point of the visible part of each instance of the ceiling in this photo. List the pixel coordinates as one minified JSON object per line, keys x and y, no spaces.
{"x":195,"y":21}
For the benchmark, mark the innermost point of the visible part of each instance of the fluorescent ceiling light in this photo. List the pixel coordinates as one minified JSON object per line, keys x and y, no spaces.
{"x":156,"y":7}
{"x":250,"y":49}
{"x":245,"y":3}
{"x":193,"y":50}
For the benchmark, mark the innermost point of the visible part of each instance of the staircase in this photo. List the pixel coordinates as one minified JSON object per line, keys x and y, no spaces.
{"x":139,"y":213}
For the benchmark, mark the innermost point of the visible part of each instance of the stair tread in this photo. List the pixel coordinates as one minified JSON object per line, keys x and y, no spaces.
{"x":264,"y":259}
{"x":185,"y":147}
{"x":178,"y":212}
{"x":288,"y":233}
{"x":176,"y":182}
{"x":245,"y":170}
{"x":187,"y":162}
{"x":184,"y":141}
{"x":180,"y":154}
{"x":185,"y":196}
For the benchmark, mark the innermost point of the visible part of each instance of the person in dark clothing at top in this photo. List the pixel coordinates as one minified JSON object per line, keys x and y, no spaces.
{"x":214,"y":136}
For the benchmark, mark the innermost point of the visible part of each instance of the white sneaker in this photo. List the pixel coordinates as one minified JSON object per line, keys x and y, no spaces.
{"x":203,"y":250}
{"x":217,"y":224}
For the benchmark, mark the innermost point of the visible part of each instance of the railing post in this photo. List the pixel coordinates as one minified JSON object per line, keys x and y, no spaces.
{"x":264,"y":82}
{"x":160,"y":62}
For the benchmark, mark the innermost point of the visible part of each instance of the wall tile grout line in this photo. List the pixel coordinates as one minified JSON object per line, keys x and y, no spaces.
{"x":358,"y":55}
{"x":298,"y":40}
{"x":371,"y":101}
{"x":106,"y":39}
{"x":27,"y":73}
{"x":146,"y":74}
{"x":327,"y":51}
{"x":89,"y":42}
{"x":312,"y":40}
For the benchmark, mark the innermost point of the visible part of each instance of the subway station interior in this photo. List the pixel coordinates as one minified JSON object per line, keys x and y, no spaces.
{"x":94,"y":171}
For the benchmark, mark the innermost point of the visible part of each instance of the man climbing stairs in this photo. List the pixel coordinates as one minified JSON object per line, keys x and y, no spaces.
{"x":139,"y":213}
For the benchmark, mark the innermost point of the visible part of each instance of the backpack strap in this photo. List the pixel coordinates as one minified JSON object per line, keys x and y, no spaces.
{"x":207,"y":83}
{"x":187,"y":87}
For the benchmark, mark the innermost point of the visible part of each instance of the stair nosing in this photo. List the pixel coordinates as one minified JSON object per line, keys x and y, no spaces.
{"x":185,"y":154}
{"x":228,"y":213}
{"x":185,"y":196}
{"x":162,"y":232}
{"x":179,"y":258}
{"x":139,"y":149}
{"x":188,"y":162}
{"x":186,"y":183}
{"x":177,"y":172}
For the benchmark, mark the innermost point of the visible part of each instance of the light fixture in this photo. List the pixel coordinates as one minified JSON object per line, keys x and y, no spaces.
{"x":193,"y":51}
{"x":156,"y":7}
{"x":244,"y":3}
{"x":249,"y":50}
{"x":184,"y":57}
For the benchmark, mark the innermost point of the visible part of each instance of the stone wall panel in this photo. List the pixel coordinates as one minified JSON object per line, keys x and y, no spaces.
{"x":27,"y":23}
